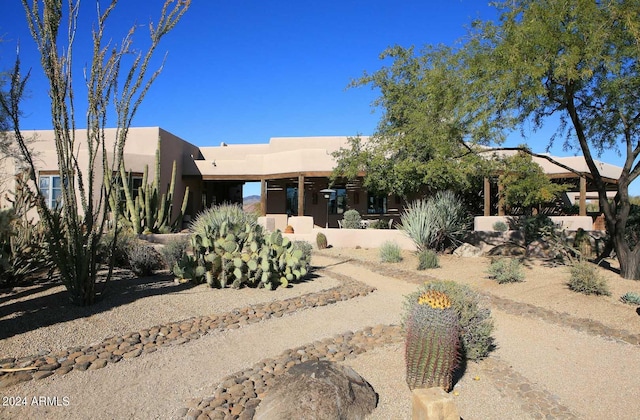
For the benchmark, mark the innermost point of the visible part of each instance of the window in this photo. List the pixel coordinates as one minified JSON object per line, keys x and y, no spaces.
{"x":292,"y":200}
{"x":338,"y":201}
{"x":51,"y":190}
{"x":377,"y":204}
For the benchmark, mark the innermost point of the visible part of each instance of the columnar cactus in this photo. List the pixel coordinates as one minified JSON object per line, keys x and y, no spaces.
{"x":432,"y":347}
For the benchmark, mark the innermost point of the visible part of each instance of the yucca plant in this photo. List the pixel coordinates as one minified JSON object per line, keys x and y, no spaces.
{"x":437,"y":222}
{"x":432,"y":348}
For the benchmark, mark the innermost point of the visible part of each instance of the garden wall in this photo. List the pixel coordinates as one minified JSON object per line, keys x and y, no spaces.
{"x":352,"y":238}
{"x":485,"y":223}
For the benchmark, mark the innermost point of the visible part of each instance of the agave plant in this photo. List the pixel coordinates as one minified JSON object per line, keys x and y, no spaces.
{"x":437,"y":222}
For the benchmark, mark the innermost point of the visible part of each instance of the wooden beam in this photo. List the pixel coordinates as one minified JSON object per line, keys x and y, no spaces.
{"x":300,"y":195}
{"x":583,"y":196}
{"x":487,"y":196}
{"x":263,"y":197}
{"x":500,"y":199}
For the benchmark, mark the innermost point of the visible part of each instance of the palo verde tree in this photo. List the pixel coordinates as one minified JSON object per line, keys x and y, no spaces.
{"x":116,"y":76}
{"x":419,"y":145}
{"x":576,"y":60}
{"x":525,"y":183}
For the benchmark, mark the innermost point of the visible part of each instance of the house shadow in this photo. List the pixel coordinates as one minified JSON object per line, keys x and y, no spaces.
{"x":28,"y":308}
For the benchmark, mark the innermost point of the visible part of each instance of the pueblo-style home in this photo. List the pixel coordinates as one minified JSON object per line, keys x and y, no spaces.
{"x":292,"y":172}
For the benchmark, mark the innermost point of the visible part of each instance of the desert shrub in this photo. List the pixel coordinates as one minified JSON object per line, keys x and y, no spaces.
{"x":305,"y":247}
{"x":351,"y":219}
{"x":321,"y":240}
{"x":119,"y":253}
{"x":427,"y":259}
{"x":586,"y":279}
{"x":144,"y":260}
{"x":631,"y":298}
{"x":535,"y":227}
{"x":379,"y":224}
{"x":208,"y":222}
{"x":506,"y":270}
{"x":23,"y":243}
{"x":390,"y":252}
{"x":173,"y":251}
{"x":500,"y":226}
{"x":476,"y":324}
{"x":435,"y":223}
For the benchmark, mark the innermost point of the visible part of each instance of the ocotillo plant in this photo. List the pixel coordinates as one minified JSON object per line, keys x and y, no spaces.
{"x":432,"y":341}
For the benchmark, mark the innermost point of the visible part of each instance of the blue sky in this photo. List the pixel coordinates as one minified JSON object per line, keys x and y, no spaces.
{"x":245,"y":71}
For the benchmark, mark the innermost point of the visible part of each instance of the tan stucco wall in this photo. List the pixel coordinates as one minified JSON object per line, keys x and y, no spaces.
{"x":140,"y":150}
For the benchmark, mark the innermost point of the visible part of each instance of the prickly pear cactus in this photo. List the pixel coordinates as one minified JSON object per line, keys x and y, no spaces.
{"x":432,"y":341}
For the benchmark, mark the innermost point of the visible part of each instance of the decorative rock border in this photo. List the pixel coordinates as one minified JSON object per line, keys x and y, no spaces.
{"x":586,"y":325}
{"x":134,"y":344}
{"x":238,"y":395}
{"x":539,"y":403}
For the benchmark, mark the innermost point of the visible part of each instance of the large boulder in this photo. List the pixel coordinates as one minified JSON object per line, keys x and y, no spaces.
{"x":318,"y":390}
{"x":467,"y":250}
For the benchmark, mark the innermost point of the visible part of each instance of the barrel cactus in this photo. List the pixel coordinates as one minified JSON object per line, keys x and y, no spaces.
{"x":321,"y":240}
{"x":432,"y":348}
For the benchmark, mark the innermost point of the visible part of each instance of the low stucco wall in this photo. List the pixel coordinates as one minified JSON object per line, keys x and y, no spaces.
{"x":485,"y":223}
{"x":351,"y":238}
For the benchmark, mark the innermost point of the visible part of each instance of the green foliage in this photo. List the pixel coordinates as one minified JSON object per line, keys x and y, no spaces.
{"x":390,"y":252}
{"x":235,"y":253}
{"x":305,"y":247}
{"x":149,"y":211}
{"x":631,"y":298}
{"x":208,"y":222}
{"x":321,"y":240}
{"x":23,"y":243}
{"x":437,"y":222}
{"x":525,"y":183}
{"x":476,"y":324}
{"x":114,"y":250}
{"x":74,"y":230}
{"x":144,"y":260}
{"x":500,"y":226}
{"x":379,"y":224}
{"x":586,"y":279}
{"x":174,"y":250}
{"x":506,"y":270}
{"x":432,"y":344}
{"x":571,"y":63}
{"x":535,"y":227}
{"x":351,"y":219}
{"x":427,"y":259}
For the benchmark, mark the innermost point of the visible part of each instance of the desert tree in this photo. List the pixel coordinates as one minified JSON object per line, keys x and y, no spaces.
{"x":540,"y":62}
{"x":117,"y":80}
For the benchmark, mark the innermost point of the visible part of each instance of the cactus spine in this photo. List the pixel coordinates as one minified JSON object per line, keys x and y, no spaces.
{"x":432,"y":341}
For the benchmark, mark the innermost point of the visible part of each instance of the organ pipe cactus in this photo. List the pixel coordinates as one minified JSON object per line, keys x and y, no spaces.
{"x":150,"y":210}
{"x":432,"y":347}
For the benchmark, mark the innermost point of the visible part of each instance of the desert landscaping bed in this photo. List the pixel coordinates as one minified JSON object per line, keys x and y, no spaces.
{"x":379,"y":344}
